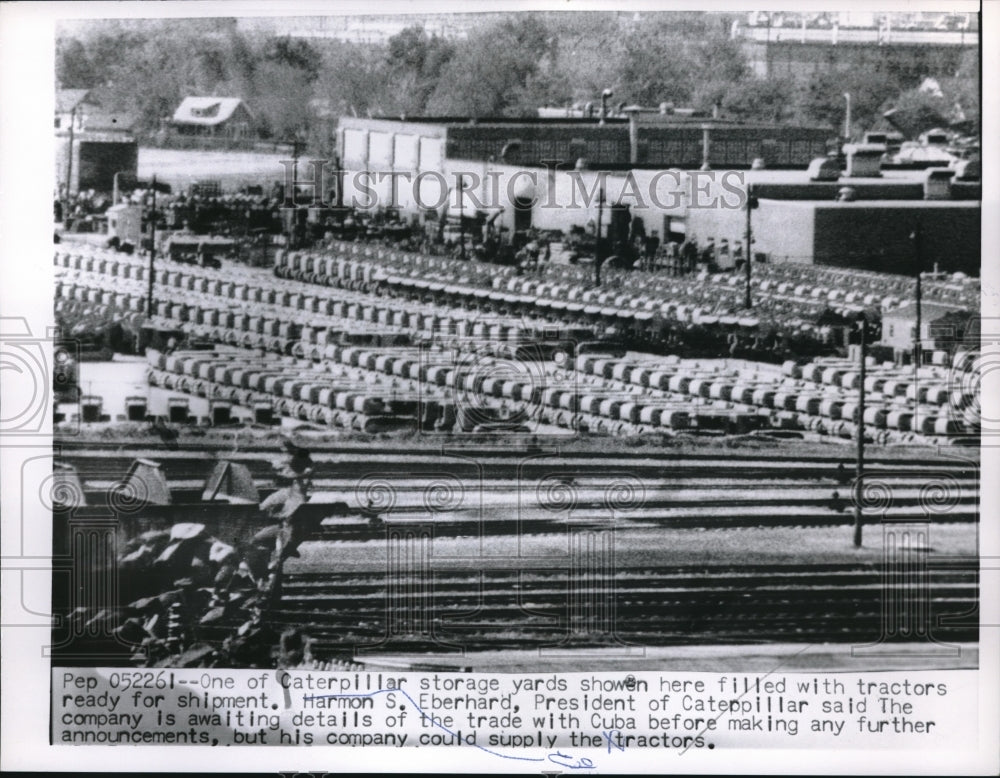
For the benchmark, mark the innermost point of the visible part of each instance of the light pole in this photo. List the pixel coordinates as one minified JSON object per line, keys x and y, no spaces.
{"x":461,"y":215}
{"x":860,"y":466}
{"x":847,"y":118}
{"x":69,"y":164}
{"x":748,"y":258}
{"x":917,"y":344}
{"x":604,"y":104}
{"x":293,"y":232}
{"x":598,"y":248}
{"x":152,"y":254}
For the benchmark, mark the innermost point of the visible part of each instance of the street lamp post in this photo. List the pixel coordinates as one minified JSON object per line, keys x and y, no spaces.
{"x":917,"y":344}
{"x":598,"y":247}
{"x":293,"y":232}
{"x":748,"y":253}
{"x":860,"y":466}
{"x":69,"y":165}
{"x":847,"y":117}
{"x":461,"y":215}
{"x":152,"y":254}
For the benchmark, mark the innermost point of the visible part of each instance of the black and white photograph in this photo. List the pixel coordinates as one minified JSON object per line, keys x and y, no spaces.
{"x":585,"y":382}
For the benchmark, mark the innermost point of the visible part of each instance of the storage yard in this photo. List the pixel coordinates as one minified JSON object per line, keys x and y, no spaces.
{"x":496,"y":460}
{"x":496,"y":343}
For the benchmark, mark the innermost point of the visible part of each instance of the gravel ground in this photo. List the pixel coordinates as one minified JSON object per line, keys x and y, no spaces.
{"x":642,"y":548}
{"x":771,"y":658}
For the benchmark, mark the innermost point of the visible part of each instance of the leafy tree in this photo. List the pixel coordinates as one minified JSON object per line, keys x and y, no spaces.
{"x":665,"y":58}
{"x":963,"y":90}
{"x":74,"y":70}
{"x":764,"y":100}
{"x":413,"y":64}
{"x":822,"y":100}
{"x":294,"y":53}
{"x":508,"y":67}
{"x":281,"y":100}
{"x":352,"y":80}
{"x":915,"y":111}
{"x":488,"y":72}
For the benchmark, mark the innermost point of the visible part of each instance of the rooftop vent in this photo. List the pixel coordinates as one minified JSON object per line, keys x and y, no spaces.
{"x":937,"y":184}
{"x":824,"y":169}
{"x":864,"y":160}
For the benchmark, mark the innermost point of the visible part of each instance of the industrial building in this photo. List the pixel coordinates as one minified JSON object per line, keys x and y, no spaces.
{"x":645,"y":138}
{"x":685,"y":178}
{"x":91,"y":144}
{"x":893,"y":222}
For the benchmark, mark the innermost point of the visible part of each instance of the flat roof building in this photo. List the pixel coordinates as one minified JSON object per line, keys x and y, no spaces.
{"x":567,"y":173}
{"x":644,"y":139}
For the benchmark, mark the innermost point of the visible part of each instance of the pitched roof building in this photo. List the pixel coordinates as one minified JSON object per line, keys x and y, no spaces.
{"x":217,"y":116}
{"x":942,"y":326}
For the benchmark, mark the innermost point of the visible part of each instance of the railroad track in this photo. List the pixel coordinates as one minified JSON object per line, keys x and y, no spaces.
{"x":462,"y":493}
{"x":648,"y":606}
{"x":515,"y":456}
{"x":463,"y":497}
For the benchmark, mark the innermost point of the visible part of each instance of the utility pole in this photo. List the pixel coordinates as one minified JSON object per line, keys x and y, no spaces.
{"x":69,"y":162}
{"x":748,"y":252}
{"x":860,"y":468}
{"x":847,"y":118}
{"x":598,"y":249}
{"x":294,"y":231}
{"x":152,"y":254}
{"x":461,"y":215}
{"x":917,"y":345}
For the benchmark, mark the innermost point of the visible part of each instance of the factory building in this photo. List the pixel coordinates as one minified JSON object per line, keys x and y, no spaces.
{"x":91,"y":144}
{"x":685,"y":179}
{"x":645,"y":138}
{"x":893,"y":222}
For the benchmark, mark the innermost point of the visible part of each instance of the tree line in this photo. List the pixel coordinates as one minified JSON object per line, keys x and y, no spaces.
{"x":297,"y":87}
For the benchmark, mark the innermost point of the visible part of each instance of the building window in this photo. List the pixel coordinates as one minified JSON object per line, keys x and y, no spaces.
{"x":207,"y":111}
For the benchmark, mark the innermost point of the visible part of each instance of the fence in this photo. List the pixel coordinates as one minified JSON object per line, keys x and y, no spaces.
{"x":207,"y":143}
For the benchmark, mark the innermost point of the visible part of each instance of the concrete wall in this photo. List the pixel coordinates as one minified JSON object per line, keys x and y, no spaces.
{"x":785,"y":231}
{"x":878,"y":237}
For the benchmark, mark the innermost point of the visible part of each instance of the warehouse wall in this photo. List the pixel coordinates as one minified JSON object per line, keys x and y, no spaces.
{"x":878,"y":238}
{"x":95,"y":162}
